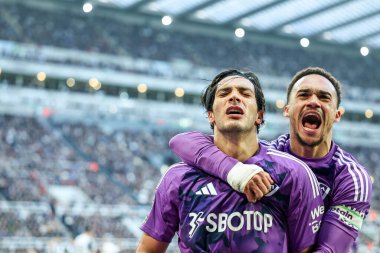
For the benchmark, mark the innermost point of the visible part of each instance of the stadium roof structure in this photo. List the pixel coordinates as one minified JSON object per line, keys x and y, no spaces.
{"x":340,"y":22}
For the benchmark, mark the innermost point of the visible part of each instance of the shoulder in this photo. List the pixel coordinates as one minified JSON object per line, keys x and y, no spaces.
{"x":344,"y":159}
{"x":278,"y":143}
{"x":347,"y":164}
{"x":350,"y":174}
{"x":287,"y":161}
{"x":298,"y":171}
{"x":174,"y":174}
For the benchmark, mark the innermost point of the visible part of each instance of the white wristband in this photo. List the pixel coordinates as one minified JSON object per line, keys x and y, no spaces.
{"x":240,"y":174}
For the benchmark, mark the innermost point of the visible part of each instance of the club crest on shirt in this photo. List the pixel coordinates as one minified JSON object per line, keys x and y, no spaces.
{"x":273,"y":189}
{"x":324,"y":190}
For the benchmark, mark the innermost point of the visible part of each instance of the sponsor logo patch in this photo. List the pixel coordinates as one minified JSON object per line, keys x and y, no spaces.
{"x":349,"y":216}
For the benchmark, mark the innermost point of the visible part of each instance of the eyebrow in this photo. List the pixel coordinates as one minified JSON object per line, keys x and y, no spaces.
{"x":241,"y":89}
{"x":318,"y":92}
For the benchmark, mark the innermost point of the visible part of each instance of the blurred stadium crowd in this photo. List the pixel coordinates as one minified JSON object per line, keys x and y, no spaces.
{"x":117,"y":169}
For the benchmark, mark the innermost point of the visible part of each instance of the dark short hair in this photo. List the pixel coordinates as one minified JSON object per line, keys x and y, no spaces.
{"x":316,"y":71}
{"x":208,"y":95}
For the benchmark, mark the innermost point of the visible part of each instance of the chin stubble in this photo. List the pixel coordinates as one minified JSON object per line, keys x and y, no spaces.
{"x":304,"y":143}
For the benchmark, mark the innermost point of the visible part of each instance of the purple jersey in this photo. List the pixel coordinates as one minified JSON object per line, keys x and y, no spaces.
{"x":345,"y":184}
{"x":209,"y":216}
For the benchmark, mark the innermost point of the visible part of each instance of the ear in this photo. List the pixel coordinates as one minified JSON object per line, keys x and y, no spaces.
{"x":211,"y":118}
{"x":260,"y":118}
{"x":338,"y":115}
{"x":286,"y":111}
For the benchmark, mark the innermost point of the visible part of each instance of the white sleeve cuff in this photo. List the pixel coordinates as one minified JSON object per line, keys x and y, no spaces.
{"x":240,"y":174}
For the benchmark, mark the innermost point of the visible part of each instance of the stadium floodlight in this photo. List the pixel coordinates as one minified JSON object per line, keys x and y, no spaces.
{"x":304,"y":42}
{"x":239,"y":32}
{"x":280,"y":103}
{"x":87,"y":7}
{"x":70,"y":82}
{"x":95,"y":83}
{"x":142,"y":88}
{"x":41,"y":76}
{"x":364,"y":51}
{"x":166,"y":20}
{"x":179,"y":92}
{"x":368,"y":113}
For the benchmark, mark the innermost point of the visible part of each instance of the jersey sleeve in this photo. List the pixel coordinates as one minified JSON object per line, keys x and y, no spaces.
{"x":163,"y":219}
{"x":305,"y":208}
{"x":198,"y":150}
{"x":351,"y":197}
{"x":332,"y":239}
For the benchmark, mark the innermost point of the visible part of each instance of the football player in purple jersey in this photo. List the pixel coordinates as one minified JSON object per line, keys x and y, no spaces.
{"x":313,"y":99}
{"x":210,"y":216}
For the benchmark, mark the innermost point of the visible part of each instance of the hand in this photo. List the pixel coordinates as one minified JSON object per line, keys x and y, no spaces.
{"x":258,"y":186}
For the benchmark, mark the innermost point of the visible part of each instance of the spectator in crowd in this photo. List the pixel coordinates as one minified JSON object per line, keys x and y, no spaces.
{"x":85,"y":241}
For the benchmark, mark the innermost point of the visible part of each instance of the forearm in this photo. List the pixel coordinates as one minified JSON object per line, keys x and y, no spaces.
{"x":198,"y":149}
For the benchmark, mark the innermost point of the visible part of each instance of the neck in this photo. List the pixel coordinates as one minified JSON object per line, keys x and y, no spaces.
{"x":240,"y":146}
{"x":310,"y":151}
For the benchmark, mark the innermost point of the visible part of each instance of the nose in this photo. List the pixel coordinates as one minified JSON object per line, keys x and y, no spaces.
{"x":313,"y":102}
{"x":235,"y":97}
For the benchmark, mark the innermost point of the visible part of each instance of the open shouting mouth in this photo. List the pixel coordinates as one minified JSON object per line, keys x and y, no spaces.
{"x":311,"y":120}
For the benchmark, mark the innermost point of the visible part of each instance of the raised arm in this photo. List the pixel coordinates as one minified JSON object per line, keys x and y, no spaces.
{"x":198,"y":150}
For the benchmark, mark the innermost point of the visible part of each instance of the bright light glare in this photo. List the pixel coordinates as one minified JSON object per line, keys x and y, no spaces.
{"x":142,"y":88}
{"x":166,"y":20}
{"x":280,"y":103}
{"x":304,"y":42}
{"x":239,"y":32}
{"x":70,"y":82}
{"x":41,"y":76}
{"x":95,"y":84}
{"x":87,"y":7}
{"x":368,"y":113}
{"x":179,"y":92}
{"x":364,"y":51}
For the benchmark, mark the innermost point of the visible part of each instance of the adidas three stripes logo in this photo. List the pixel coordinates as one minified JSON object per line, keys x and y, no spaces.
{"x":209,"y":189}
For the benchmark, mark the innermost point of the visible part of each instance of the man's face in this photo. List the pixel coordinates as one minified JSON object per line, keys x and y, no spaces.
{"x":235,"y":108}
{"x":312,"y":109}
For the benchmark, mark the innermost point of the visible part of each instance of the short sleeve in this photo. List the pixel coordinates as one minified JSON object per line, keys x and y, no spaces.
{"x":163,"y":219}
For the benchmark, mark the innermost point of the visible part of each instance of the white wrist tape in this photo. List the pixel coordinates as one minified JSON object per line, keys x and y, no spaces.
{"x":240,"y":174}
